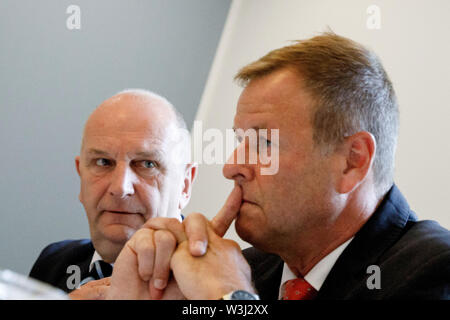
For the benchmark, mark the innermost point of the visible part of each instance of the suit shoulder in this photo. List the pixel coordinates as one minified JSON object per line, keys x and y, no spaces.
{"x":419,"y":263}
{"x":61,"y":249}
{"x":422,"y":242}
{"x":67,"y":251}
{"x":427,"y":238}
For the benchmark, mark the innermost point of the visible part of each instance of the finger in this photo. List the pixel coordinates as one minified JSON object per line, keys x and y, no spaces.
{"x":107,"y":281}
{"x":171,"y":224}
{"x":93,"y":292}
{"x":223,"y":219}
{"x":195,"y":226}
{"x":101,"y":292}
{"x":145,"y":251}
{"x":101,"y":282}
{"x":155,"y":293}
{"x":165,"y":244}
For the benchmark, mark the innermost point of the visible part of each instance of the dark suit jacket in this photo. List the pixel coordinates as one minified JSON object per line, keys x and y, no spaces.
{"x":51,"y":266}
{"x":413,"y":256}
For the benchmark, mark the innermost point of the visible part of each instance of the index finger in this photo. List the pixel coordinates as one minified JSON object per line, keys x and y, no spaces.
{"x":170,"y":224}
{"x":223,"y":219}
{"x":196,"y":224}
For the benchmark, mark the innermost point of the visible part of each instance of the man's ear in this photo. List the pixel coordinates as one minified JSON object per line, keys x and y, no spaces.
{"x":358,"y":153}
{"x":189,"y":177}
{"x":77,"y":165}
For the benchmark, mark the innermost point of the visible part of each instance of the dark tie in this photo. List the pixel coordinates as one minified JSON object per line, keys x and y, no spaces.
{"x":298,"y":289}
{"x":100,"y":270}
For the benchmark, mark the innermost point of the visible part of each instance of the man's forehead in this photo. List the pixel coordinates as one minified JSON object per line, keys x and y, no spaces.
{"x":122,"y":124}
{"x":128,"y":109}
{"x":105,"y":150}
{"x":129,"y":117}
{"x":272,"y":101}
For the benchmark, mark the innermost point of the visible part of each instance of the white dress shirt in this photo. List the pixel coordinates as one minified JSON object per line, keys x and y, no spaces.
{"x":317,"y":275}
{"x":96,"y":257}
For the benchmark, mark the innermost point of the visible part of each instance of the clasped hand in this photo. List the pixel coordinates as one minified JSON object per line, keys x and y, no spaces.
{"x":169,"y":259}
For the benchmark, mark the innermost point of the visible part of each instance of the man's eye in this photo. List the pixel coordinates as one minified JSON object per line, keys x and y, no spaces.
{"x":102,"y":162}
{"x":148,"y":164}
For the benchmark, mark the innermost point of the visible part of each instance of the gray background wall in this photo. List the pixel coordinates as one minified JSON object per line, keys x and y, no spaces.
{"x":51,"y":78}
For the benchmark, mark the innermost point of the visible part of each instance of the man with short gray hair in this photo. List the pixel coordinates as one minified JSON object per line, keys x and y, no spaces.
{"x":134,"y":165}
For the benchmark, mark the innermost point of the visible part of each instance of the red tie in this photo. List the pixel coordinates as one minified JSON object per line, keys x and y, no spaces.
{"x":298,"y":289}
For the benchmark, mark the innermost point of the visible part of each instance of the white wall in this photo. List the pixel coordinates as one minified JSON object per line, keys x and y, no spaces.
{"x":413,"y":44}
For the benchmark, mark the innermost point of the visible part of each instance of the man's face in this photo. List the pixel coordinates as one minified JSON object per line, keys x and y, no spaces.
{"x":295,"y":199}
{"x":127,"y":170}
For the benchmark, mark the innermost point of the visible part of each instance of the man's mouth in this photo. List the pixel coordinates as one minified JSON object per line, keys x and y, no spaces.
{"x":121,"y":212}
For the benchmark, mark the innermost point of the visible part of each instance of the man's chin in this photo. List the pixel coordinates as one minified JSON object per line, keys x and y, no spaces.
{"x":244,"y":230}
{"x":118,"y":234}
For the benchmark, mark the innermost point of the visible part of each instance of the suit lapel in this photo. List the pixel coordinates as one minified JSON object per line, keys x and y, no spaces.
{"x":82,"y":259}
{"x":266,"y":272}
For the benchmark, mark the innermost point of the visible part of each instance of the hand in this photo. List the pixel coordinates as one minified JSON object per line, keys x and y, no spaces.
{"x":133,"y":275}
{"x":221,"y":270}
{"x":156,"y":254}
{"x":146,"y":256}
{"x":93,"y":290}
{"x":194,"y":226}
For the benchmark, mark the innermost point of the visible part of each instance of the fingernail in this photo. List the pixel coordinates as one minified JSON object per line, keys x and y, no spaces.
{"x":199,"y":247}
{"x":159,"y":284}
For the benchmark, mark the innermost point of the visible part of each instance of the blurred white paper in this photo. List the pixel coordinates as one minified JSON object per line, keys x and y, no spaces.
{"x":14,"y":286}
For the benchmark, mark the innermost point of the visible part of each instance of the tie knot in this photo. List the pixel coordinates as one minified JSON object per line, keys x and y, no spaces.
{"x":298,"y":289}
{"x":103,"y":269}
{"x":100,"y":270}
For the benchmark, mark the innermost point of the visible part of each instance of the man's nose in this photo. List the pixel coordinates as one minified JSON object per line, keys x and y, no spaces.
{"x":122,"y":181}
{"x":236,"y":168}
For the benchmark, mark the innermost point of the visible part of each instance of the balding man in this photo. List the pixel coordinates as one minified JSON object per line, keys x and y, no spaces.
{"x":133,"y":166}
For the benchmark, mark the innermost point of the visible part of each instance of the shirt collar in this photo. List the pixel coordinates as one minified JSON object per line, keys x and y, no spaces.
{"x":96,"y":257}
{"x":317,"y":275}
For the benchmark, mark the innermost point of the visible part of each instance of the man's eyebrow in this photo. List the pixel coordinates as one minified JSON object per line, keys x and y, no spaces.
{"x":97,"y":152}
{"x":150,"y":154}
{"x":254,"y":128}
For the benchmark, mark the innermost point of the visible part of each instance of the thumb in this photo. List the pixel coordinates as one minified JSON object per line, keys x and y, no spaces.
{"x":223,"y":219}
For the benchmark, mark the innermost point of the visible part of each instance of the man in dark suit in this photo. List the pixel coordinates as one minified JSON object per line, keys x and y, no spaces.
{"x":329,"y":223}
{"x":413,"y":259}
{"x":134,"y":164}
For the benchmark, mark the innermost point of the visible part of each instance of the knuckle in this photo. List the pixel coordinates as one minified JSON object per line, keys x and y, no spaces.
{"x":232,"y":244}
{"x":146,"y":247}
{"x":165,"y":237}
{"x":173,"y":224}
{"x":152,"y":222}
{"x":142,"y":233}
{"x":194,"y":216}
